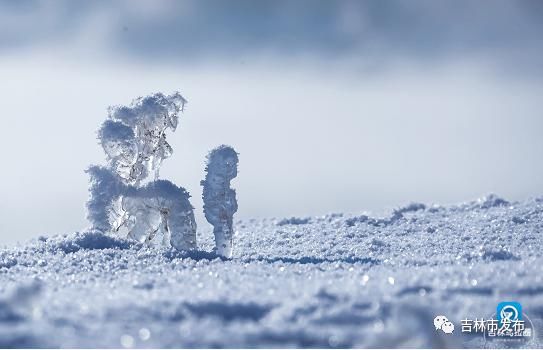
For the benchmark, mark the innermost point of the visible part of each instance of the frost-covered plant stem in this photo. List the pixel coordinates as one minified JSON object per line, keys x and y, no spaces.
{"x":219,"y":199}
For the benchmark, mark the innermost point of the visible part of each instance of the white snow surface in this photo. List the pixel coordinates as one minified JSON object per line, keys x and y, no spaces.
{"x":331,"y":281}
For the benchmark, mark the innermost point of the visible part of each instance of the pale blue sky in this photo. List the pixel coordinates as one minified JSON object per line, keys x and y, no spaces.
{"x":333,"y":106}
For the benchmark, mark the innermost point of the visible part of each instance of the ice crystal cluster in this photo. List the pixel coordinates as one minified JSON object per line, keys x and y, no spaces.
{"x":219,"y":199}
{"x":126,"y":196}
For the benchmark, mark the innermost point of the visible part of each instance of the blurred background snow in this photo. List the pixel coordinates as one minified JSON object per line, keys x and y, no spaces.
{"x":333,"y":105}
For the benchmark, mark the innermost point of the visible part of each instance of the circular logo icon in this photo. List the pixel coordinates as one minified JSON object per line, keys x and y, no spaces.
{"x":509,"y":312}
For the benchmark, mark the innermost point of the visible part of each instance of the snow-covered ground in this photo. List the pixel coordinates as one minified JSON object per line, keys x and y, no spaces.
{"x":331,"y":281}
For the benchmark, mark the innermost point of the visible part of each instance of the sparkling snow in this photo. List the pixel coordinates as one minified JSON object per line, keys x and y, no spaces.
{"x":330,"y":281}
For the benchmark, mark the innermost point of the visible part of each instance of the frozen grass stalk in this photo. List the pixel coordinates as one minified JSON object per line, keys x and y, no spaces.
{"x":219,"y":199}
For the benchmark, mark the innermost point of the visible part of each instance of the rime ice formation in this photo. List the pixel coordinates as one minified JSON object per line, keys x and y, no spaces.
{"x":105,"y":188}
{"x":134,"y":140}
{"x":156,"y":214}
{"x":219,"y":199}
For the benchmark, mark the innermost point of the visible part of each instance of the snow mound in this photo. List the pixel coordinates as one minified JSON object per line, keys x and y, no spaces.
{"x":334,"y":281}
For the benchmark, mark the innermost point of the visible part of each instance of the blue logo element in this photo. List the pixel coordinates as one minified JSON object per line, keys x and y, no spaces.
{"x":509,"y":310}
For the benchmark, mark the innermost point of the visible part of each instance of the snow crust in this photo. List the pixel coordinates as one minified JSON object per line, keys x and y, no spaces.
{"x":330,"y":281}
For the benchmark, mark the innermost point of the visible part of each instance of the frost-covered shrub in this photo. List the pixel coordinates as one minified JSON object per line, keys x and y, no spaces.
{"x":134,"y":140}
{"x":156,"y":212}
{"x":219,"y":199}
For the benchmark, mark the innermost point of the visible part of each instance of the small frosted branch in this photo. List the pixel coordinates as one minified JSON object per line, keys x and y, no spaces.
{"x":219,"y":199}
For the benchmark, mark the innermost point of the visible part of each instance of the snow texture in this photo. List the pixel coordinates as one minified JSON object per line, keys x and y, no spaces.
{"x":134,"y":140}
{"x":331,"y":281}
{"x":219,"y":199}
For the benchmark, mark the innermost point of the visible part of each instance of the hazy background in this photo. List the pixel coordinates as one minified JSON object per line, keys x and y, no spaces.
{"x":334,"y":106}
